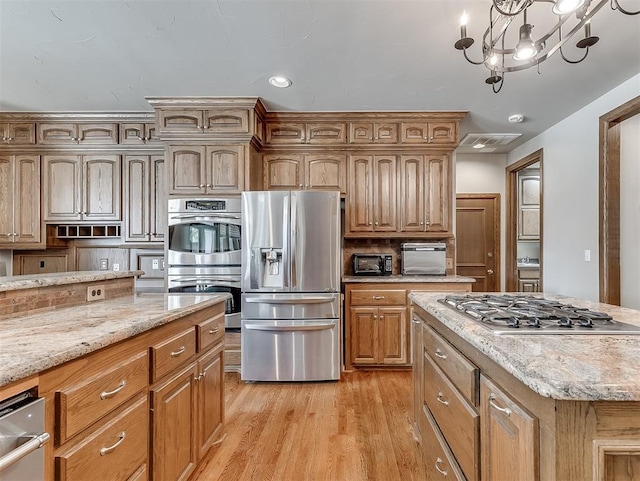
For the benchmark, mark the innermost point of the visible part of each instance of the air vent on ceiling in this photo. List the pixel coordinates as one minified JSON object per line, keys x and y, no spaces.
{"x":488,"y":140}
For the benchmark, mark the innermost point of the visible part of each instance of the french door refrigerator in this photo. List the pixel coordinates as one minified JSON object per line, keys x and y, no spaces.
{"x":291,"y":266}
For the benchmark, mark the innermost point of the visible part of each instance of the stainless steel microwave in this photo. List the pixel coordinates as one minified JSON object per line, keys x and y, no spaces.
{"x":372,"y":264}
{"x":424,"y":258}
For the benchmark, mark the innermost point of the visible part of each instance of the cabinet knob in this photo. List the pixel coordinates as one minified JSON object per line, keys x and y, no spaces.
{"x":210,"y":186}
{"x":377,"y":223}
{"x":421,"y":223}
{"x":75,"y":139}
{"x":15,"y":234}
{"x":202,"y":186}
{"x":370,"y":223}
{"x":301,"y":186}
{"x":205,"y":127}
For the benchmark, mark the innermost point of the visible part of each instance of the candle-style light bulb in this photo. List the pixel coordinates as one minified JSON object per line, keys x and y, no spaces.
{"x":463,"y":24}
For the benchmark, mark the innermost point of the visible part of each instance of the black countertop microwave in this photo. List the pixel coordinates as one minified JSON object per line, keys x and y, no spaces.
{"x":372,"y":264}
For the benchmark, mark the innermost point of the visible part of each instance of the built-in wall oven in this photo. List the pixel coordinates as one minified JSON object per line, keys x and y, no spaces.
{"x":204,"y":249}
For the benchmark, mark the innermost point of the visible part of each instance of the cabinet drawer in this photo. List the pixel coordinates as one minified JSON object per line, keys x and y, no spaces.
{"x":168,"y":355}
{"x":458,"y":421}
{"x":365,"y":297}
{"x":528,"y":273}
{"x":436,"y":455}
{"x":462,"y":373}
{"x":85,"y":402}
{"x":210,"y":332}
{"x":115,"y":451}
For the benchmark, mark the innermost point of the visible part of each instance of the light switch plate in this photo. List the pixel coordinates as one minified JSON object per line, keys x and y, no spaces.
{"x":116,"y":267}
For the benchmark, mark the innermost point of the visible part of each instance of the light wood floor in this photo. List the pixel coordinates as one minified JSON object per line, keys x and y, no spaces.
{"x":355,"y":429}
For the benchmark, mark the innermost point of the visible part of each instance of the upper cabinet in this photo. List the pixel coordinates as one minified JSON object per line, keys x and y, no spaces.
{"x":18,"y":133}
{"x":305,"y":172}
{"x":203,"y":121}
{"x":52,"y":133}
{"x":306,"y":133}
{"x":138,"y":133}
{"x":373,"y":133}
{"x":528,"y":205}
{"x":429,"y":132}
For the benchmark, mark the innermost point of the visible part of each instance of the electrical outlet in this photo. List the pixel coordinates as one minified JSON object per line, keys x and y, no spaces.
{"x":95,"y":293}
{"x":104,"y":264}
{"x":155,"y":264}
{"x":116,"y":267}
{"x":449,"y":263}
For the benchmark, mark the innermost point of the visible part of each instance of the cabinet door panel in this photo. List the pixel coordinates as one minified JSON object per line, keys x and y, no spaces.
{"x":438,"y":193}
{"x":210,"y":399}
{"x":364,"y":335}
{"x":22,"y":133}
{"x":187,"y":170}
{"x":179,"y":120}
{"x":101,"y":189}
{"x":321,"y":133}
{"x":62,"y":196}
{"x":226,"y":120}
{"x":27,"y":191}
{"x":136,"y":195}
{"x":442,"y":132}
{"x":325,"y":172}
{"x":98,"y":133}
{"x":393,"y":336}
{"x":158,"y":199}
{"x":57,"y":133}
{"x":283,"y":172}
{"x":411,"y":205}
{"x":285,"y":133}
{"x":226,"y":167}
{"x":415,"y":132}
{"x":360,"y":133}
{"x":384,"y":194}
{"x":385,"y":133}
{"x":360,"y":207}
{"x":6,"y":197}
{"x":132,"y":134}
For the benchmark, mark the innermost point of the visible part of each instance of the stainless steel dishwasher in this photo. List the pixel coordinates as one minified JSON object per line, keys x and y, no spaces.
{"x":21,"y":437}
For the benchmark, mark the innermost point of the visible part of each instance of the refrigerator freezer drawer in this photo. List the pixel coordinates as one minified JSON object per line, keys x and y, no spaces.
{"x":291,"y":306}
{"x":286,"y":350}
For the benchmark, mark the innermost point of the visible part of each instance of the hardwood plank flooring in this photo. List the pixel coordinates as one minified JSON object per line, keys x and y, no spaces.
{"x":356,"y":429}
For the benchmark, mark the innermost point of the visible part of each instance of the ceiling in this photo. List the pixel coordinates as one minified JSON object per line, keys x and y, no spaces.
{"x":342,"y":55}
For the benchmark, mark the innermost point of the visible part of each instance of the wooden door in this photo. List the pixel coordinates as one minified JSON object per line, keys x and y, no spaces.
{"x":225,"y":169}
{"x":384,"y":194}
{"x":62,"y":194}
{"x":364,"y":335}
{"x":101,"y":187}
{"x":509,"y":436}
{"x":173,"y":419}
{"x":393,"y":336}
{"x":26,"y":219}
{"x":478,"y":240}
{"x":437,"y":190}
{"x":283,"y":172}
{"x":360,"y":207}
{"x":325,"y":172}
{"x":411,"y":200}
{"x":136,"y":197}
{"x":157,"y":198}
{"x":210,"y":399}
{"x":7,"y":179}
{"x":186,"y":169}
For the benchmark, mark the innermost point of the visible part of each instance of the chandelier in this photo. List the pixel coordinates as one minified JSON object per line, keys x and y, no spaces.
{"x":499,"y":58}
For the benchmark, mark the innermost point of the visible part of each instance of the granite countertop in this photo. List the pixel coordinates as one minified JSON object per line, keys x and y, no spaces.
{"x":408,"y":279}
{"x":33,"y":343}
{"x":578,"y":367}
{"x":13,"y":283}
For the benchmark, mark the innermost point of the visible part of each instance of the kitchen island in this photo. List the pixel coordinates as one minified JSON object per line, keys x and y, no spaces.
{"x":377,"y":326}
{"x":142,"y":374}
{"x":550,"y":407}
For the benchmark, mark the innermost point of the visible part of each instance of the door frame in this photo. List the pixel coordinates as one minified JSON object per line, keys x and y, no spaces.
{"x":609,"y":190}
{"x":496,"y":221}
{"x":511,"y":231}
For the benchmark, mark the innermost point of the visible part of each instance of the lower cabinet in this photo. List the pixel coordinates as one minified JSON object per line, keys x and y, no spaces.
{"x":209,"y":399}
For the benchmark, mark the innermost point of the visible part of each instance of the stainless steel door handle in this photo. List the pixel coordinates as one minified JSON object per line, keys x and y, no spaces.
{"x":267,"y":327}
{"x":23,"y":450}
{"x":302,"y":300}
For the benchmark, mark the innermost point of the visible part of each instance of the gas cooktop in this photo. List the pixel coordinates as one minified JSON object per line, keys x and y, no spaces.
{"x":518,"y":314}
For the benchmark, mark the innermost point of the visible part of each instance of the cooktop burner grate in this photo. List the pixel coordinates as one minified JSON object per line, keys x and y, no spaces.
{"x":519,"y":314}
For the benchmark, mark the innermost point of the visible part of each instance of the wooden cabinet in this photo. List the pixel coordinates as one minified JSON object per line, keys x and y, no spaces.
{"x":205,"y":121}
{"x":373,"y":133}
{"x":138,"y":133}
{"x":18,"y":133}
{"x":429,"y":132}
{"x":528,"y":206}
{"x":209,"y":399}
{"x":510,"y":441}
{"x":20,"y":221}
{"x":528,"y":279}
{"x":144,"y":198}
{"x":423,"y":203}
{"x":305,"y":172}
{"x":372,"y":194}
{"x":81,"y":188}
{"x":306,"y":133}
{"x":417,"y":376}
{"x":57,"y":133}
{"x":206,"y":169}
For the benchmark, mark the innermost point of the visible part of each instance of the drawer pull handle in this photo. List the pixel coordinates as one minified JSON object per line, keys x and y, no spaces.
{"x":441,"y":399}
{"x":214,"y":331}
{"x":178,"y":352}
{"x":378,"y":298}
{"x":507,"y":411}
{"x":440,"y":470}
{"x":109,"y":449}
{"x":108,"y":394}
{"x":439,"y":354}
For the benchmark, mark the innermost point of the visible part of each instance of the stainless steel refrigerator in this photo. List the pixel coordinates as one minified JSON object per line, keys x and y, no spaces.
{"x":291,"y":267}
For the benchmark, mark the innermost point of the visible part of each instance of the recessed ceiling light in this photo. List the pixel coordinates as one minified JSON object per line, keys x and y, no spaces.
{"x":516,"y":118}
{"x":478,"y":146}
{"x":280,"y":82}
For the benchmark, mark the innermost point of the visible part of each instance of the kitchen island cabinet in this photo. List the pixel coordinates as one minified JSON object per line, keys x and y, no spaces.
{"x":551,"y":407}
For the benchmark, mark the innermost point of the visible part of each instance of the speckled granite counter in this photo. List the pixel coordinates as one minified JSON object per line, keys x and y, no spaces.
{"x":407,"y":279}
{"x":32,"y":281}
{"x":563,"y":367}
{"x":35,"y":342}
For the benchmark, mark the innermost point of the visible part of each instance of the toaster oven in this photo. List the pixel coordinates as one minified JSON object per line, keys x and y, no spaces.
{"x":372,"y":264}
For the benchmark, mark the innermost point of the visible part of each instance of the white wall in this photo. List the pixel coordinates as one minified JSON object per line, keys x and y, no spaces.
{"x":630,"y":213}
{"x":570,"y":189}
{"x":484,"y":173}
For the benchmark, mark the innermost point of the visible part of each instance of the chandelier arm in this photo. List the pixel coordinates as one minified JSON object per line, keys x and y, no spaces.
{"x":523,"y":7}
{"x":464,"y":52}
{"x":493,"y":86}
{"x":567,"y":59}
{"x":615,"y":5}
